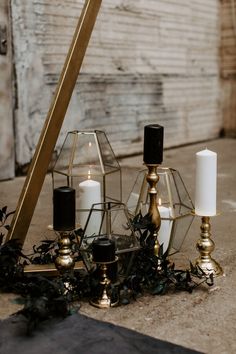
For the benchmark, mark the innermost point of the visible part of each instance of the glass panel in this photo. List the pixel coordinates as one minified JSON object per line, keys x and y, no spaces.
{"x":180,"y":230}
{"x":113,"y":192}
{"x":86,"y":159}
{"x":108,"y":157}
{"x":65,"y":156}
{"x":183,"y":196}
{"x":111,"y":219}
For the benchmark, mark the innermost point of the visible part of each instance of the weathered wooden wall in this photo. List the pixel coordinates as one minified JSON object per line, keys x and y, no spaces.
{"x":228,"y":65}
{"x":7,"y":160}
{"x":148,"y":61}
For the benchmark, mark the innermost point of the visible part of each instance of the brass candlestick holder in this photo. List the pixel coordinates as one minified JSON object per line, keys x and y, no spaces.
{"x":205,"y":246}
{"x":64,"y":262}
{"x":152,"y":179}
{"x":104,"y":300}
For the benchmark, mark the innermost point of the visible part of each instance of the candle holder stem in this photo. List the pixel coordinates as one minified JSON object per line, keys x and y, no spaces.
{"x":64,"y":261}
{"x":205,"y":246}
{"x":104,"y":300}
{"x":152,"y":179}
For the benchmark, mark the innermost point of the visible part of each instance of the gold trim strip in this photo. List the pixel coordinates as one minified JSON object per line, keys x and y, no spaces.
{"x":49,"y":269}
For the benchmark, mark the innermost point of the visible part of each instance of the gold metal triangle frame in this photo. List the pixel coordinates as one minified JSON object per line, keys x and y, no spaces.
{"x":52,"y":126}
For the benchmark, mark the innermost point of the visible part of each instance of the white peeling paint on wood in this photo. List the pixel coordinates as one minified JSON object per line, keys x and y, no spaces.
{"x":228,"y":65}
{"x":148,"y":61}
{"x":7,"y":160}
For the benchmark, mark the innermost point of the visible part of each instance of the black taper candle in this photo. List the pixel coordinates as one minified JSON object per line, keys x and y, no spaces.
{"x":153,"y":144}
{"x":64,"y":209}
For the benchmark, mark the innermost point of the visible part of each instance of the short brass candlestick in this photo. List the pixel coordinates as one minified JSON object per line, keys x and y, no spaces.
{"x":205,"y":246}
{"x":64,"y":261}
{"x":152,"y":179}
{"x":104,"y":300}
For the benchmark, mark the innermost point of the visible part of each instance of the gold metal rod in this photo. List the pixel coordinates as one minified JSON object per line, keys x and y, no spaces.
{"x":51,"y":129}
{"x":152,"y":179}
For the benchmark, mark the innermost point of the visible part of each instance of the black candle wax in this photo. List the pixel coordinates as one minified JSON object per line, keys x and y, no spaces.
{"x":103,"y":249}
{"x":153,"y":144}
{"x":64,"y":209}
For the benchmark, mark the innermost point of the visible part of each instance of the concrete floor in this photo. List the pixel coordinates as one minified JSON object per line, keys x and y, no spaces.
{"x":204,"y":320}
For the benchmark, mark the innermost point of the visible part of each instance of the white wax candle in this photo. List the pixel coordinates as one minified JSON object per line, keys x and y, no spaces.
{"x":165,"y":229}
{"x":205,"y":191}
{"x":89,"y":193}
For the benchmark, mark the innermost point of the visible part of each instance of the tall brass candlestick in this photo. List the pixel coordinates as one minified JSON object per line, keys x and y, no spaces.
{"x":152,"y":157}
{"x":152,"y":179}
{"x":205,"y":246}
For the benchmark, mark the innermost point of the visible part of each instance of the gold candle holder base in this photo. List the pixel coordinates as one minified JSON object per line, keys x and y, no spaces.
{"x":104,"y":301}
{"x":152,"y":179}
{"x":64,"y":262}
{"x":205,"y":245}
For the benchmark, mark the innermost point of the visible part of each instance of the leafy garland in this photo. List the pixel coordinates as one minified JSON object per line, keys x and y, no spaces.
{"x":45,"y":298}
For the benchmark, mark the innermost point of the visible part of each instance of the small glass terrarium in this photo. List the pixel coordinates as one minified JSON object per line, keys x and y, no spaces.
{"x":174,"y":204}
{"x":110,"y":220}
{"x":88,"y":164}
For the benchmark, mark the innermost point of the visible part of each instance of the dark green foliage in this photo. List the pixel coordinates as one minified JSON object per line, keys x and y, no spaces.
{"x":3,"y":219}
{"x":45,"y":298}
{"x":45,"y":253}
{"x":157,"y":275}
{"x":10,"y":270}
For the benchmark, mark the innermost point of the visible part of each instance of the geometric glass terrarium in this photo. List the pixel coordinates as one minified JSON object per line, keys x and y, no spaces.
{"x":174,"y":204}
{"x":88,"y":164}
{"x":112,"y":220}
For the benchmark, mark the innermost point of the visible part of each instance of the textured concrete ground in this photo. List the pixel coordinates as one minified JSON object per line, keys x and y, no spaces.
{"x":204,"y":320}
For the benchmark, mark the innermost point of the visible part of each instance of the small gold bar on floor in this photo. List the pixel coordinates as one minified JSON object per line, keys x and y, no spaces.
{"x":49,"y":269}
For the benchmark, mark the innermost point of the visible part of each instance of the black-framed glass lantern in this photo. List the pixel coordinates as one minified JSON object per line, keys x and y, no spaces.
{"x":87,"y":163}
{"x":174,"y":204}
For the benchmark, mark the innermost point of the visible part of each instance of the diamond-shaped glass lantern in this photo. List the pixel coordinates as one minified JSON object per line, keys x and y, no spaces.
{"x":88,"y":164}
{"x":112,"y":220}
{"x":174,"y":204}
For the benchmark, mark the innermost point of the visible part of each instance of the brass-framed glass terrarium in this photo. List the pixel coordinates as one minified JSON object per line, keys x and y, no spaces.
{"x":87,"y":163}
{"x":174,"y":204}
{"x":110,"y":219}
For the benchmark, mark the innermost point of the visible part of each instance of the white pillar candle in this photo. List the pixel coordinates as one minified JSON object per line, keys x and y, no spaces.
{"x":166,"y":226}
{"x":89,"y":194}
{"x":205,"y":191}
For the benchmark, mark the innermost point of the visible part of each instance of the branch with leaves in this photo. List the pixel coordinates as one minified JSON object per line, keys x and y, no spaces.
{"x":45,"y":298}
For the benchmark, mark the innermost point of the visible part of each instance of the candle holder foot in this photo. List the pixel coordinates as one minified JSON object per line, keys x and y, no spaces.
{"x":205,"y":246}
{"x":209,"y":266}
{"x":104,"y":300}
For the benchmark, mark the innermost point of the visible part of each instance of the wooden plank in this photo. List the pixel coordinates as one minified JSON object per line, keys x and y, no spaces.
{"x":7,"y":154}
{"x":133,"y":40}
